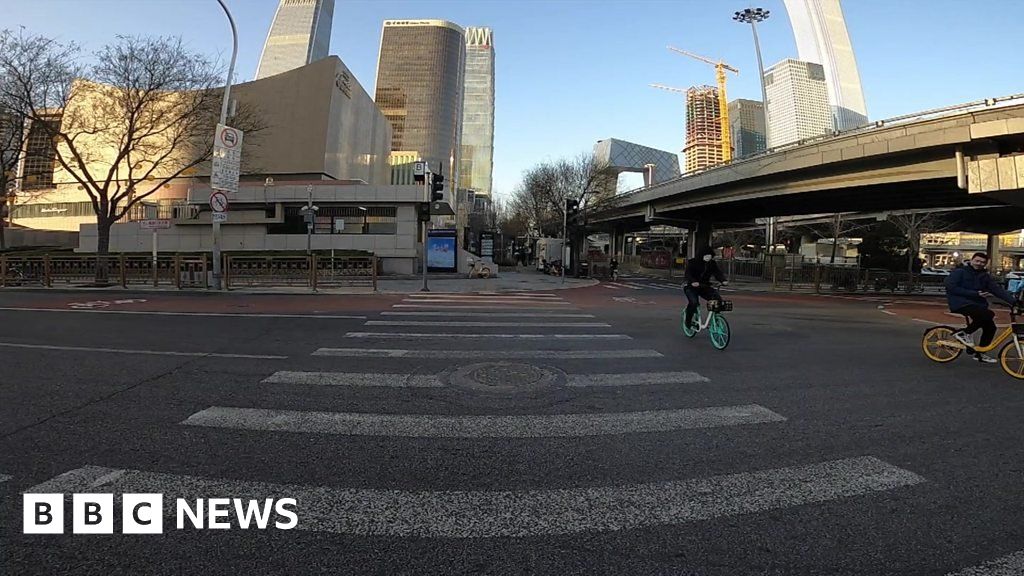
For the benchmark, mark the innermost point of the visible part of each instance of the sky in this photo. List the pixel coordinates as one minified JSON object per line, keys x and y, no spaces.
{"x":571,"y":72}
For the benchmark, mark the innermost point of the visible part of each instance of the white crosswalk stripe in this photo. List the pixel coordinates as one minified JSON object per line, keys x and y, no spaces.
{"x":1009,"y":565}
{"x":486,"y":353}
{"x":641,"y":379}
{"x":621,"y":285}
{"x":526,"y":513}
{"x":490,"y":314}
{"x":484,"y":324}
{"x":354,"y":379}
{"x":475,"y":336}
{"x":476,"y":306}
{"x":433,"y":426}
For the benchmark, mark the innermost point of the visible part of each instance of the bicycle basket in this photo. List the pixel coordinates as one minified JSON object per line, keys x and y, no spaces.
{"x":720,"y":305}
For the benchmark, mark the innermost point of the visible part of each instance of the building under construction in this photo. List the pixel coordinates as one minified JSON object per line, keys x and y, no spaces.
{"x":703,"y":128}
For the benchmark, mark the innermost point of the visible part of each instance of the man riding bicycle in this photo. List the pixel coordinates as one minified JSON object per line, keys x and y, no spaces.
{"x":697,"y":281}
{"x":967,"y":289}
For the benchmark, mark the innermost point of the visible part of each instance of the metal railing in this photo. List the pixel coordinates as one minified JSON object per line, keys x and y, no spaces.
{"x":190,"y":270}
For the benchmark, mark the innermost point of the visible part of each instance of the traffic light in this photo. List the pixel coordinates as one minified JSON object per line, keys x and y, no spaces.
{"x":423,"y":211}
{"x":572,"y":207}
{"x":436,"y":187}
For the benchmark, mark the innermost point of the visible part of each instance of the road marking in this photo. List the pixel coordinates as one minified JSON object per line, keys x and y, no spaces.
{"x":617,"y":285}
{"x":669,"y":286}
{"x":641,"y":379}
{"x":474,"y":335}
{"x":610,"y":286}
{"x":507,"y":302}
{"x":5,"y":477}
{"x":212,"y":314}
{"x":473,"y":297}
{"x":924,"y":321}
{"x":489,"y":324}
{"x":513,"y":293}
{"x":435,"y":426}
{"x":546,"y":354}
{"x":887,"y":312}
{"x":462,"y":307}
{"x":149,"y":352}
{"x":491,"y":314}
{"x":528,"y":513}
{"x":355,"y":379}
{"x":1009,"y":565}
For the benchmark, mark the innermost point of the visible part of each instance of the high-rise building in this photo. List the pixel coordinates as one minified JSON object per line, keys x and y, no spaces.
{"x":420,"y":91}
{"x":299,"y":35}
{"x":478,"y":113}
{"x":798,"y":105}
{"x":703,"y":128}
{"x":822,"y":38}
{"x":746,"y":124}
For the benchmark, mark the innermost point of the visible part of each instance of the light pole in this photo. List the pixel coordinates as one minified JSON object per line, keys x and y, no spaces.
{"x":7,"y":211}
{"x":223,"y":120}
{"x":752,"y":16}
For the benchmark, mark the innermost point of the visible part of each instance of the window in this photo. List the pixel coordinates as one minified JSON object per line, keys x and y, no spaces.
{"x":340,"y":220}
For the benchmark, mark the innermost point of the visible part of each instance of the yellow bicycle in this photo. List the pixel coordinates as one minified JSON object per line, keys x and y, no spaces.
{"x":939,"y":345}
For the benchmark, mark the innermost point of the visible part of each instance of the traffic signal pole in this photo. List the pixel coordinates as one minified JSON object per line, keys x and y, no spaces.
{"x":427,"y":185}
{"x":565,"y":242}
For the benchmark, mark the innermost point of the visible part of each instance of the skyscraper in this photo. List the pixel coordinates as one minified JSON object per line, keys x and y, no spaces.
{"x":478,"y":112}
{"x":420,"y":88}
{"x":746,"y":123}
{"x":822,"y":38}
{"x":703,"y":128}
{"x":299,"y":35}
{"x":798,"y":105}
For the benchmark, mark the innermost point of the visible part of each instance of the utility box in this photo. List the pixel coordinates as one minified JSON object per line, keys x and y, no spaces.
{"x":549,"y":250}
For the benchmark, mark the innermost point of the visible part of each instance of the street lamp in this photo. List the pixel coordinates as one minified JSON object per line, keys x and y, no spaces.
{"x":224,"y":120}
{"x":752,"y":16}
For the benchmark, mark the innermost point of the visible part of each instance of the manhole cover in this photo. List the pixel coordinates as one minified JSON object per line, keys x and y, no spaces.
{"x":503,"y":377}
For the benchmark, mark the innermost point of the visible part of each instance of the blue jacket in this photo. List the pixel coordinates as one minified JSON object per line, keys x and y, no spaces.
{"x":964,"y":283}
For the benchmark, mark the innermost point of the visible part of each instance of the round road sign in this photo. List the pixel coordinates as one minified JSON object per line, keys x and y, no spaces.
{"x":219,"y":202}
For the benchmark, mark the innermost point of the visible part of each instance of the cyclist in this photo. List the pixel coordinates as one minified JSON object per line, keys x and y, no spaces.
{"x":967,"y":290}
{"x":697,"y":281}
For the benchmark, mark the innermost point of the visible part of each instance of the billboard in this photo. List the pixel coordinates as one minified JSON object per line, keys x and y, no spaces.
{"x":442,"y":251}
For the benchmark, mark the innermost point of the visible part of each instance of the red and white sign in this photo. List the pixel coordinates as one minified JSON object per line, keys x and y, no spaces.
{"x":154,"y":224}
{"x":219,"y":202}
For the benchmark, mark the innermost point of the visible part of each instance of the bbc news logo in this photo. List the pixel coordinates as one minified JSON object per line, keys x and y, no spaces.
{"x":144,"y":514}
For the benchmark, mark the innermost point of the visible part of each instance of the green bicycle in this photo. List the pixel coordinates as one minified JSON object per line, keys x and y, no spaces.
{"x":715,"y":323}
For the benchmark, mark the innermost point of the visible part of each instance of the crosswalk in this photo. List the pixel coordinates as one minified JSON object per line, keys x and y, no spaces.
{"x":453,"y":339}
{"x":638,"y":285}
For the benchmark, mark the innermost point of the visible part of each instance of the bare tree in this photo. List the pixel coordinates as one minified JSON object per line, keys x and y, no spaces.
{"x":12,"y":132}
{"x":912,"y":225}
{"x":840,"y":226}
{"x":141,"y":116}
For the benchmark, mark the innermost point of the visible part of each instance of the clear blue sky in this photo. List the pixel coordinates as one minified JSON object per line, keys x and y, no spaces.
{"x":571,"y":72}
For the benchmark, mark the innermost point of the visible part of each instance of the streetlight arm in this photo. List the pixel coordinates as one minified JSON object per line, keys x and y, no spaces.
{"x":231,"y":66}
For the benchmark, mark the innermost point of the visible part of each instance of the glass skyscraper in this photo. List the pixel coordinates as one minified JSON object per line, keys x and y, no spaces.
{"x":420,"y":91}
{"x":798,"y":106}
{"x":746,"y":124}
{"x":478,"y":113}
{"x":300,"y":35}
{"x":821,"y":37}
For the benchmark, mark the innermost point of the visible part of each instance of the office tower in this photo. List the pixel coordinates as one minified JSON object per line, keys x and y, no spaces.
{"x":703,"y":128}
{"x":299,"y":35}
{"x":419,"y":90}
{"x":478,"y":113}
{"x":822,"y":38}
{"x":798,"y":105}
{"x":746,"y":123}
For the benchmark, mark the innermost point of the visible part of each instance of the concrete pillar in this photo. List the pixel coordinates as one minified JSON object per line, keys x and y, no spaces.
{"x":995,"y":260}
{"x":698,"y":238}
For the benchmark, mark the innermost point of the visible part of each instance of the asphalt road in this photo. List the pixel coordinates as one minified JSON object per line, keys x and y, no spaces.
{"x":820,"y":442}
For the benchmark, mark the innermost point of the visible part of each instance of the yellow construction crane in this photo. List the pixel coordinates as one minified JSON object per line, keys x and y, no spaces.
{"x":723,"y":102}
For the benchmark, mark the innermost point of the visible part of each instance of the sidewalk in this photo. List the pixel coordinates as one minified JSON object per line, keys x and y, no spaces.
{"x":506,"y":282}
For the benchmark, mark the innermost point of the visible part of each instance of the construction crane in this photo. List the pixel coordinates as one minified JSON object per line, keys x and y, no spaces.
{"x":723,"y":102}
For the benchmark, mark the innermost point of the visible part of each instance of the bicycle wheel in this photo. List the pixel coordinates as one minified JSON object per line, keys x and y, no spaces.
{"x":689,"y":331}
{"x":939,"y":346}
{"x":1012,"y":361}
{"x":718,"y":331}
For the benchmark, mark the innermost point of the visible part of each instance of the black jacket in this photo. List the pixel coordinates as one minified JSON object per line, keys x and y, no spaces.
{"x":964,"y":283}
{"x":697,"y":270}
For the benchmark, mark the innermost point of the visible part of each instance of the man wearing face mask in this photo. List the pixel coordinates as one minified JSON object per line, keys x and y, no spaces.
{"x":697,"y":281}
{"x":968,"y":289}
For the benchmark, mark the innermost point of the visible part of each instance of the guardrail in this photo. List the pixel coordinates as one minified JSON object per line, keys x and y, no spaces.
{"x":190,"y":270}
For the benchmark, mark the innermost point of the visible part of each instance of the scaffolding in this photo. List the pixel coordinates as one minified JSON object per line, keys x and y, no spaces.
{"x":703,"y":129}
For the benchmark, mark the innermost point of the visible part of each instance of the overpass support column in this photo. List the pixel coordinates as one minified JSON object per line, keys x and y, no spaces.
{"x":995,"y":259}
{"x":698,"y":238}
